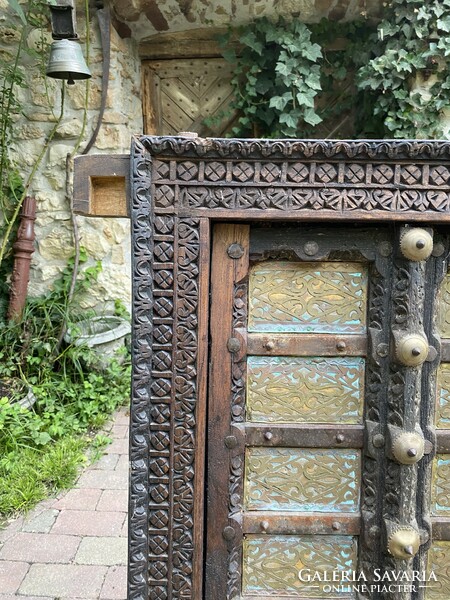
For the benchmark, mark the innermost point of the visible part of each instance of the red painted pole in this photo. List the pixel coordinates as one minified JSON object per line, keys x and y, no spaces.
{"x":23,"y":249}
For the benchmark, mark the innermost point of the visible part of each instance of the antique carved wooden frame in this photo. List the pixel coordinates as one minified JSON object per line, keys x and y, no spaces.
{"x":179,"y":187}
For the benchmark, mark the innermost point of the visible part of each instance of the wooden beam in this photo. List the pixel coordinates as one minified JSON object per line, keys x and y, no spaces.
{"x":194,"y":43}
{"x":101,"y":184}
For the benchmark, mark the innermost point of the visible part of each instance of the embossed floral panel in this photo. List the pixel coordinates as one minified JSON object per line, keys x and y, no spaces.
{"x":295,"y":479}
{"x":440,"y":504}
{"x":272,"y":564}
{"x":444,"y":308}
{"x":308,"y":297}
{"x":442,"y":419}
{"x":439,"y":563}
{"x":305,"y":390}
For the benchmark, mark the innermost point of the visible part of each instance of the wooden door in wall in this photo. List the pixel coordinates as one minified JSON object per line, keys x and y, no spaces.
{"x":188,"y":94}
{"x":291,"y":429}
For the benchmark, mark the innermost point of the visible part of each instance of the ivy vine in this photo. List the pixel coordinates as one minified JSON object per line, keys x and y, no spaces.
{"x":390,"y":80}
{"x":277,"y":77}
{"x":410,"y":76}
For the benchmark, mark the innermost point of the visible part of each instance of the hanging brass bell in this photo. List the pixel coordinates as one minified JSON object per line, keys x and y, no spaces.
{"x":67,"y":62}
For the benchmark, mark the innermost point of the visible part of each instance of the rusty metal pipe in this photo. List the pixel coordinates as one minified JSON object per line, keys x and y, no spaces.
{"x":23,"y":249}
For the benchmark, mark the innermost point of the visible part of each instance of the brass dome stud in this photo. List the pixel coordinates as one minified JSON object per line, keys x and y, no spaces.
{"x":404,"y":542}
{"x":416,"y":244}
{"x":412,"y":350}
{"x":408,"y":447}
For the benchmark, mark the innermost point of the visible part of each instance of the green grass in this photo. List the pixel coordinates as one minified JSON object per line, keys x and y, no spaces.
{"x":29,"y":475}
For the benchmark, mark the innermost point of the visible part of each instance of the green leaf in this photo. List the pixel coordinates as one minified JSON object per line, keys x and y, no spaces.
{"x":249,"y":39}
{"x":280,"y":102}
{"x":14,"y":4}
{"x":305,"y":99}
{"x":312,"y":117}
{"x":312,"y":52}
{"x":289,"y":119}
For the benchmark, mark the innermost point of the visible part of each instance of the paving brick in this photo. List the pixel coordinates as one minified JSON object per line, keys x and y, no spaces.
{"x":87,"y":522}
{"x":77,"y":499}
{"x":113,"y":500}
{"x":42,"y":523}
{"x":40,"y":547}
{"x":119,"y":431}
{"x":11,"y":528}
{"x":118,"y":446}
{"x":115,"y":586}
{"x":104,"y":480}
{"x":11,"y":575}
{"x":107,"y":462}
{"x":123,"y":463}
{"x":122,"y":417}
{"x":102,"y":551}
{"x":16,"y":597}
{"x":71,"y":581}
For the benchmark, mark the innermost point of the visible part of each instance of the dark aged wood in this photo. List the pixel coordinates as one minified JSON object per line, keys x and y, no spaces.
{"x":403,"y":402}
{"x":179,"y":187}
{"x":226,"y":272}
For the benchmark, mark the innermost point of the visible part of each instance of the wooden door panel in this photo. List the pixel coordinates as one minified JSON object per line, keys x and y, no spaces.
{"x":180,"y":94}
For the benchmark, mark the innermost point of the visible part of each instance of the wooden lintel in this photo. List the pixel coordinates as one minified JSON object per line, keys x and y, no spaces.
{"x":194,"y":43}
{"x":101,"y":185}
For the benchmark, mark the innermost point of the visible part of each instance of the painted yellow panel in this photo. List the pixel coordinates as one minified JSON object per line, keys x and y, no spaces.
{"x":276,"y":564}
{"x":305,"y":390}
{"x":296,"y":479}
{"x":440,"y":493}
{"x":443,"y":397}
{"x":308,"y":297}
{"x":444,"y":308}
{"x":439,"y":564}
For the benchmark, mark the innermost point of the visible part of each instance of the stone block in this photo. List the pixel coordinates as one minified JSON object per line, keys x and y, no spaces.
{"x":115,"y":585}
{"x":102,"y":551}
{"x":64,"y":581}
{"x":40,"y":548}
{"x":11,"y":575}
{"x":89,"y":522}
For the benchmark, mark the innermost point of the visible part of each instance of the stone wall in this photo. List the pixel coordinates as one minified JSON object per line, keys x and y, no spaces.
{"x":106,"y":240}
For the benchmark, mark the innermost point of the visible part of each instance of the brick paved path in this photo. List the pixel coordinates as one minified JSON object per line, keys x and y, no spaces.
{"x":74,"y":547}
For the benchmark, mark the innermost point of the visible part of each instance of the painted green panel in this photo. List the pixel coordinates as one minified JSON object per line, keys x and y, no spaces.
{"x":443,"y":397}
{"x":439,"y":564}
{"x":272,"y":564}
{"x":296,"y":479}
{"x":444,"y":308}
{"x":305,"y":390}
{"x":308,"y":297}
{"x":440,"y":504}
